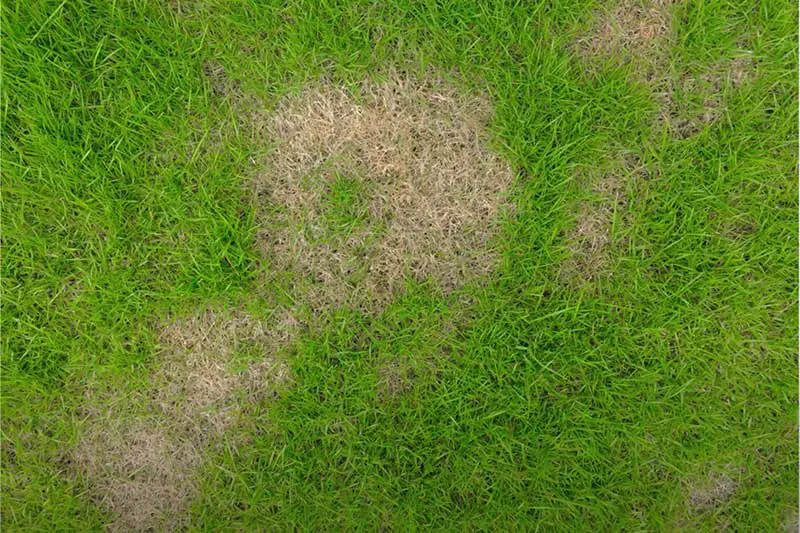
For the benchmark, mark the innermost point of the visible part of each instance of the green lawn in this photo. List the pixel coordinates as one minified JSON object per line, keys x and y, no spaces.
{"x":627,"y":363}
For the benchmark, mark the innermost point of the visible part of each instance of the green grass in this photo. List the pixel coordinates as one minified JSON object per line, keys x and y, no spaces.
{"x":344,"y":205}
{"x":534,"y":403}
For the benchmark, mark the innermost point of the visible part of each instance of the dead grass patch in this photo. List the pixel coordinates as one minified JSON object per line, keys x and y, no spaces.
{"x":431,"y":188}
{"x":632,"y":32}
{"x":639,"y":34}
{"x":141,"y":451}
{"x":791,"y":521}
{"x":589,"y":242}
{"x":692,"y":102}
{"x":716,"y":489}
{"x":198,"y":372}
{"x":394,"y":379}
{"x":140,"y":470}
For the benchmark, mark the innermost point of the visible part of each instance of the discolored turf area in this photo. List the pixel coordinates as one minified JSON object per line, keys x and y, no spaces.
{"x":353,"y":265}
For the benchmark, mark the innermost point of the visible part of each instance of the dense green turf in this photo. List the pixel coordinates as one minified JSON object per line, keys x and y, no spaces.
{"x":536,"y":403}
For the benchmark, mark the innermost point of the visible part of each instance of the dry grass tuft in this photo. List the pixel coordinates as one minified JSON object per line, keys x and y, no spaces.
{"x":430,"y":188}
{"x":139,"y":470}
{"x":702,"y":102}
{"x":631,"y":32}
{"x":717,"y":489}
{"x":589,"y":242}
{"x":394,"y":379}
{"x":141,"y":453}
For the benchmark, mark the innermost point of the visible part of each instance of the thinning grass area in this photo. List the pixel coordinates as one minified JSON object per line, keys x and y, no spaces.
{"x":628,"y":362}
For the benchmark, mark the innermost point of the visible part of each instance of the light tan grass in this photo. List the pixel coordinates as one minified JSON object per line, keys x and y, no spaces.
{"x":590,"y":240}
{"x":631,"y":32}
{"x":708,"y":88}
{"x":394,"y":379}
{"x":716,"y":489}
{"x":141,"y":452}
{"x":141,"y":471}
{"x":434,"y":188}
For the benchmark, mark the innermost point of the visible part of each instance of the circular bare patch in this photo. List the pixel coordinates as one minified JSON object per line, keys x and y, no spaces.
{"x":363,"y":190}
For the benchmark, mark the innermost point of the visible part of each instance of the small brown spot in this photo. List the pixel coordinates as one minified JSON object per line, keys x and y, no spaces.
{"x":631,"y":32}
{"x":590,"y":241}
{"x":394,"y":379}
{"x":791,"y":523}
{"x":185,"y":7}
{"x":702,"y":100}
{"x":221,"y":84}
{"x":741,"y":70}
{"x":737,"y":229}
{"x":713,"y":491}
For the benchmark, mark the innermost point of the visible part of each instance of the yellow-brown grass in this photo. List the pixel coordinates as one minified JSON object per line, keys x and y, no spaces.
{"x":141,"y":452}
{"x":432,"y":187}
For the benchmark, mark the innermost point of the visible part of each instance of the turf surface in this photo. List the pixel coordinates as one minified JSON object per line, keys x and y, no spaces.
{"x":536,"y":399}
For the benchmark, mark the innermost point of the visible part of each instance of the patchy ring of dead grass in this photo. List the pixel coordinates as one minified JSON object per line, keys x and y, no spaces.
{"x":432,"y":188}
{"x":428,"y":194}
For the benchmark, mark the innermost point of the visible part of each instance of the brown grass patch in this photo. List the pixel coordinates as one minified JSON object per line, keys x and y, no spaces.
{"x":639,"y":34}
{"x":590,"y":240}
{"x":139,"y":470}
{"x":701,"y":100}
{"x":432,"y":189}
{"x":741,"y":70}
{"x":394,"y":379}
{"x":715,"y":490}
{"x":141,"y":452}
{"x":196,"y":375}
{"x":791,"y":521}
{"x":631,"y":32}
